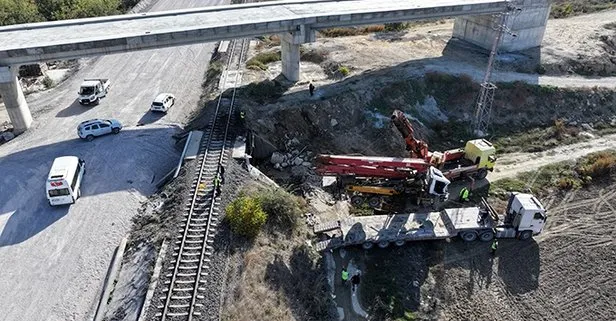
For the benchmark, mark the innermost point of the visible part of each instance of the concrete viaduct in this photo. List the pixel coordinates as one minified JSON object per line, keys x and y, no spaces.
{"x":295,"y":20}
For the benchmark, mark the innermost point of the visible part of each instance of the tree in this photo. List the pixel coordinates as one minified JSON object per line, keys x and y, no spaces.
{"x":18,"y":11}
{"x":73,"y":9}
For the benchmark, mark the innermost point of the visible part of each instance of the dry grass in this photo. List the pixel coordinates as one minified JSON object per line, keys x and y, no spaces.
{"x":354,"y":31}
{"x":567,"y":8}
{"x":276,"y":276}
{"x":600,"y":166}
{"x":277,"y":279}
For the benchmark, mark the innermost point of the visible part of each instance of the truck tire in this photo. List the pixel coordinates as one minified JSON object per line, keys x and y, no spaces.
{"x":468,"y":236}
{"x":374,"y":202}
{"x":90,"y":138}
{"x":486,"y":236}
{"x":525,"y":235}
{"x":383,"y":244}
{"x":481,"y":173}
{"x":367,"y":245}
{"x":400,"y":242}
{"x":357,"y":200}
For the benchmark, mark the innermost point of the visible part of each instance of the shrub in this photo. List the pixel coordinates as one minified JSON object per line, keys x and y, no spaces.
{"x":246,"y":216}
{"x":283,"y":209}
{"x":48,"y":82}
{"x":314,"y":55}
{"x":262,"y":59}
{"x":598,"y":164}
{"x":213,"y":71}
{"x":567,"y":183}
{"x":344,"y":70}
{"x":396,"y":26}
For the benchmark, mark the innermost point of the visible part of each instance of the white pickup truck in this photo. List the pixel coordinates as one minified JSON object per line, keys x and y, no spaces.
{"x":92,"y":90}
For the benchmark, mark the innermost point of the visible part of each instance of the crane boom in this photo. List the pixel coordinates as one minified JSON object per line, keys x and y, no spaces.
{"x":417,"y":147}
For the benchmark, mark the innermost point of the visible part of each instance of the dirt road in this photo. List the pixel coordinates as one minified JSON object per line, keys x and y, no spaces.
{"x":54,"y":260}
{"x":511,"y":164}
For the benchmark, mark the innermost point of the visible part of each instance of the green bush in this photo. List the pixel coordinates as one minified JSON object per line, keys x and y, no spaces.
{"x":283,"y":209}
{"x":246,"y":216}
{"x":18,"y":11}
{"x":344,"y":70}
{"x":262,"y":59}
{"x":48,"y":82}
{"x":396,"y":26}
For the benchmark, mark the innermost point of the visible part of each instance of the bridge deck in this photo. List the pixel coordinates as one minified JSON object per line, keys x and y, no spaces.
{"x":214,"y":23}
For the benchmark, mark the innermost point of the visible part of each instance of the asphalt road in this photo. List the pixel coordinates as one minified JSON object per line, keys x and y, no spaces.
{"x":53,"y":260}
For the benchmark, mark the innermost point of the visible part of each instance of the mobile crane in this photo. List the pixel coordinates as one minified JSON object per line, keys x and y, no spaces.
{"x":376,"y":179}
{"x":474,"y":160}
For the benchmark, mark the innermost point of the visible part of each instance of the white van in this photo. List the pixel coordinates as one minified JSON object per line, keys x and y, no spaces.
{"x":64,"y":180}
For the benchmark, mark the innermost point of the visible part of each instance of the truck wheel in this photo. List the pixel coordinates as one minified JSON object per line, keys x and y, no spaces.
{"x":525,"y":235}
{"x":486,"y":236}
{"x":357,"y":200}
{"x":481,"y":173}
{"x":383,"y":244}
{"x":468,"y":236}
{"x":374,"y":202}
{"x":89,"y":138}
{"x":115,"y":130}
{"x":367,"y":245}
{"x":400,"y":242}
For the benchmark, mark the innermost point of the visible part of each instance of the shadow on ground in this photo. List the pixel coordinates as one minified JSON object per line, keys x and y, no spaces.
{"x":74,"y":109}
{"x":113,"y":163}
{"x":303,"y":284}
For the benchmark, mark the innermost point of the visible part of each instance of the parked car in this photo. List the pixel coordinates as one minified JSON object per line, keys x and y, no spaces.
{"x":97,"y":127}
{"x":92,"y":90}
{"x":163,"y":102}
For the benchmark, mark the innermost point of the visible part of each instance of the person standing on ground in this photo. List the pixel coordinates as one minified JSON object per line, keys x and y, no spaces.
{"x":494,"y":246}
{"x":311,"y":89}
{"x":242,"y":118}
{"x":345,"y":275}
{"x":464,"y":193}
{"x":217,"y":185}
{"x":355,"y":280}
{"x":222,"y":172}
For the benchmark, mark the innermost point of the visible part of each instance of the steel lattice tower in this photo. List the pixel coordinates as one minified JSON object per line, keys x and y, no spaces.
{"x":483,"y":109}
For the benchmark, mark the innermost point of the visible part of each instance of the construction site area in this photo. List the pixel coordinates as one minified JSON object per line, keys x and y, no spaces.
{"x":349,"y":175}
{"x":407,"y":175}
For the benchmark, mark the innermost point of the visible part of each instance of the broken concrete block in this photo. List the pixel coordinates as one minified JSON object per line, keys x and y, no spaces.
{"x":298,"y":161}
{"x":276,"y":158}
{"x":334,"y":122}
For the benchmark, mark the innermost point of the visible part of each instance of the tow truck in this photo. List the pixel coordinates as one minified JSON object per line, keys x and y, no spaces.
{"x":524,"y":218}
{"x":92,"y":90}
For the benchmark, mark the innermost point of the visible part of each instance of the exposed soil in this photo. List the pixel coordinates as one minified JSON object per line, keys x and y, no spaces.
{"x":564,"y":273}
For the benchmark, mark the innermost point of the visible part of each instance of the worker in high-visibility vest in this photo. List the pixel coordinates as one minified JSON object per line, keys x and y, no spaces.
{"x":464,"y":193}
{"x":217,"y":184}
{"x":494,"y":246}
{"x":345,"y":275}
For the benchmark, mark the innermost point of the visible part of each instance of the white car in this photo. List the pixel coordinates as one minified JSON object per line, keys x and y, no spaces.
{"x":163,"y":102}
{"x":98,"y":127}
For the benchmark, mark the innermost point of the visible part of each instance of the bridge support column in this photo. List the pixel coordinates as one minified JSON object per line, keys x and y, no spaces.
{"x":528,"y":25}
{"x":289,"y":50}
{"x":14,"y":99}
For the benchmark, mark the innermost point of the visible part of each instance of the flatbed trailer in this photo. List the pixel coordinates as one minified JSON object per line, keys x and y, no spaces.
{"x":524,"y":217}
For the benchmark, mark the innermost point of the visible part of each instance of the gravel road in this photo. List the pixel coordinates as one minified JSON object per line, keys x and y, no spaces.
{"x":54,"y":260}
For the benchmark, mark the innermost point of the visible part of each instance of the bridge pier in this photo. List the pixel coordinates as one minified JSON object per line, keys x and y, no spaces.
{"x":14,"y":99}
{"x":289,"y":50}
{"x":528,"y":25}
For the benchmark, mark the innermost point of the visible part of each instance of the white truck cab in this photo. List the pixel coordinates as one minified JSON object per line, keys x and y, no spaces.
{"x":526,"y":214}
{"x":92,"y":90}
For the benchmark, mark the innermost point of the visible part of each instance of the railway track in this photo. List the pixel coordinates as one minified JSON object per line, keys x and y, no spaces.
{"x":184,"y":280}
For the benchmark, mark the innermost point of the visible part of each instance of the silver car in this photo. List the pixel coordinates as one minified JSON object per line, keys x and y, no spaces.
{"x":98,"y":127}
